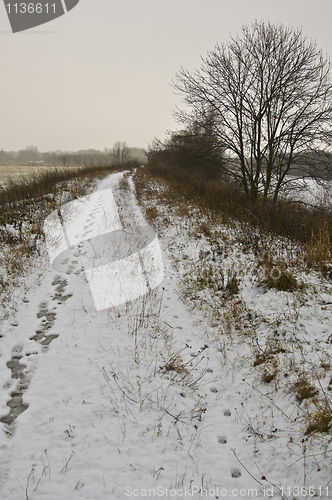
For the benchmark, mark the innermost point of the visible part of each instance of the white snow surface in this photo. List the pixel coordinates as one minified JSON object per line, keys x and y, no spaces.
{"x":108,"y":419}
{"x":91,"y":217}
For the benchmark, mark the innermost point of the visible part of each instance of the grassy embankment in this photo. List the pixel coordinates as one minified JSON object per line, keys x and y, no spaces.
{"x":250,"y":251}
{"x":311,"y":228}
{"x":24,"y":204}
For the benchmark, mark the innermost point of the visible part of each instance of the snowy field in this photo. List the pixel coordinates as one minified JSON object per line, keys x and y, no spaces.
{"x":163,"y":396}
{"x":17,"y":172}
{"x":309,"y":191}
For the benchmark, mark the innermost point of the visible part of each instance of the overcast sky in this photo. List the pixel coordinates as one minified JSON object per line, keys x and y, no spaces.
{"x":102,"y":72}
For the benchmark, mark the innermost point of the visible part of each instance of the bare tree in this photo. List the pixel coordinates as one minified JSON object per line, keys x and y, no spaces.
{"x":120,"y":153}
{"x":64,"y":160}
{"x":271,"y":98}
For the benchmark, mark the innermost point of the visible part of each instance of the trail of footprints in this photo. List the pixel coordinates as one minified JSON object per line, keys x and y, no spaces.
{"x":42,"y":336}
{"x":47,"y":316}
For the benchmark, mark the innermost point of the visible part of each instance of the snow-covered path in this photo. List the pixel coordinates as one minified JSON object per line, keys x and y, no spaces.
{"x":127,"y":401}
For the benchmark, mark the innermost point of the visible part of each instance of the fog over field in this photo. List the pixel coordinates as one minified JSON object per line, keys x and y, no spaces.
{"x":102,"y":72}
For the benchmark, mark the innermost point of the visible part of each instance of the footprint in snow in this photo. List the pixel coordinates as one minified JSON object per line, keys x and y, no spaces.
{"x":47,"y":316}
{"x":15,"y":404}
{"x":48,"y":339}
{"x":16,"y":367}
{"x":60,"y":284}
{"x":236,"y":472}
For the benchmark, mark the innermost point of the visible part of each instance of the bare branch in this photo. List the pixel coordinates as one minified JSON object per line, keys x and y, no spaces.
{"x":270,"y":96}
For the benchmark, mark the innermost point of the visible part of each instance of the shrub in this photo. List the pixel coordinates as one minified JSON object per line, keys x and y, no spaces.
{"x":321,"y":420}
{"x":284,"y":281}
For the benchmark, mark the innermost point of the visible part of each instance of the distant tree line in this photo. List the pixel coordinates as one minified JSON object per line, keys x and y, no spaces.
{"x":119,"y":154}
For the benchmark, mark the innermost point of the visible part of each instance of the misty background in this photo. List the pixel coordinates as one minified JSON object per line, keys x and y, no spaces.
{"x":30,"y":155}
{"x":102,"y":72}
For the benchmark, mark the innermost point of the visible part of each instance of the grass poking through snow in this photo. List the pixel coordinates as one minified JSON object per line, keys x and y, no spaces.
{"x":267,"y":298}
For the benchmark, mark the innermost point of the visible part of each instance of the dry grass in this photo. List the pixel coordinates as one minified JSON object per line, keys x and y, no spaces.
{"x":175,"y":363}
{"x":304,"y":389}
{"x":321,"y":419}
{"x":319,"y":251}
{"x":281,"y":280}
{"x":204,"y":209}
{"x":269,"y":352}
{"x":311,"y":227}
{"x":17,"y":173}
{"x":25,"y":204}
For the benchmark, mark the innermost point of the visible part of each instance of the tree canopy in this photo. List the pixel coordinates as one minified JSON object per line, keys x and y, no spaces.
{"x":267,"y":95}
